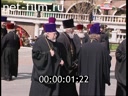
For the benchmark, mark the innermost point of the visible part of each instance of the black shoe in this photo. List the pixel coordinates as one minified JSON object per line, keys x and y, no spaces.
{"x":2,"y":78}
{"x":9,"y":79}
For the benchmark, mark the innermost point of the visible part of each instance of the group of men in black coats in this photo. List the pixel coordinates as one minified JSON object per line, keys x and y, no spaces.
{"x":66,"y":54}
{"x":70,"y":54}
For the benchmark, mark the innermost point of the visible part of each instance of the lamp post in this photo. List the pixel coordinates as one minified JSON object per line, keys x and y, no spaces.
{"x":91,"y":14}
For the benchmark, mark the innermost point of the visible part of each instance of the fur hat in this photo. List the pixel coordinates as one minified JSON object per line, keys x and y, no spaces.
{"x":79,"y":27}
{"x":52,"y":20}
{"x":95,"y":29}
{"x":3,"y":19}
{"x":10,"y":26}
{"x":50,"y":27}
{"x":68,"y":23}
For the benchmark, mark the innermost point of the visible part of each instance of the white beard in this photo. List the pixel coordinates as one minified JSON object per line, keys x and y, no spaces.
{"x":70,"y":35}
{"x":81,"y":35}
{"x":53,"y":40}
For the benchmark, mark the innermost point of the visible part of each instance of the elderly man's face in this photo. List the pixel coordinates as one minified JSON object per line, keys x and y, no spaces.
{"x":70,"y":30}
{"x":52,"y":35}
{"x":3,"y":24}
{"x":80,"y":31}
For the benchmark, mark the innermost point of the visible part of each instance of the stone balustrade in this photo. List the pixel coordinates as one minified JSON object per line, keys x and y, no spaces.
{"x":117,"y":22}
{"x":60,"y":15}
{"x":117,"y":37}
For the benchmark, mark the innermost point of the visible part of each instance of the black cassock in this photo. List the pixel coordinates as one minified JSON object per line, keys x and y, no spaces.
{"x":9,"y":59}
{"x":67,"y":89}
{"x":105,"y":39}
{"x":44,"y":65}
{"x":95,"y":63}
{"x":120,"y":69}
{"x":79,"y":41}
{"x":3,"y":32}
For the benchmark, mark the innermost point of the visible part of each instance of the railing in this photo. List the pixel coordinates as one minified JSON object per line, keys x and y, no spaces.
{"x":117,"y":37}
{"x":121,"y":37}
{"x":61,"y":16}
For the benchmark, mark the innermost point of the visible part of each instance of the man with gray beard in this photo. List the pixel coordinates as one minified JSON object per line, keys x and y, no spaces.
{"x":46,"y":62}
{"x":79,"y":38}
{"x":69,"y":56}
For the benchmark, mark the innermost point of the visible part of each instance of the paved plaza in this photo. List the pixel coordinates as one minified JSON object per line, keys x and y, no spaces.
{"x":21,"y":85}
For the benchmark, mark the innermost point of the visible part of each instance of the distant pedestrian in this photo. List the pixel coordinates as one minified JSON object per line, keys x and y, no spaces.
{"x":9,"y":60}
{"x":120,"y":69}
{"x":104,"y":37}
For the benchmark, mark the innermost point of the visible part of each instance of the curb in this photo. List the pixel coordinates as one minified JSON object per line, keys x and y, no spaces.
{"x":25,"y":47}
{"x":112,"y":50}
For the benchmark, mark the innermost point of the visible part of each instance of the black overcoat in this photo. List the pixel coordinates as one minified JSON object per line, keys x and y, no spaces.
{"x":3,"y":32}
{"x":44,"y":65}
{"x":9,"y":55}
{"x":120,"y":69}
{"x":95,"y":63}
{"x":67,"y":89}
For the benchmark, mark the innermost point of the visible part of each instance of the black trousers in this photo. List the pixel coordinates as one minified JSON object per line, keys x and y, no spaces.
{"x":120,"y":90}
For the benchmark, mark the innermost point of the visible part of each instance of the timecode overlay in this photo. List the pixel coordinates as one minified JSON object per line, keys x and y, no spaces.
{"x":64,"y":79}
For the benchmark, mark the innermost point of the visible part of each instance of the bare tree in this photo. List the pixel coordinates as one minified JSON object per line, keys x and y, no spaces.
{"x":82,"y":7}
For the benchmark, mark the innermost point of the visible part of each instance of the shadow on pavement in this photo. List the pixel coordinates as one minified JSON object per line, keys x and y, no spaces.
{"x":112,"y":71}
{"x":24,"y":76}
{"x":112,"y":76}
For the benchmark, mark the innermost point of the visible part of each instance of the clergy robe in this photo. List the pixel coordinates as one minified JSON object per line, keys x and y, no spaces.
{"x":44,"y":65}
{"x":78,"y":42}
{"x":9,"y":57}
{"x":105,"y":38}
{"x":67,"y":89}
{"x":3,"y":32}
{"x":95,"y":63}
{"x":120,"y":69}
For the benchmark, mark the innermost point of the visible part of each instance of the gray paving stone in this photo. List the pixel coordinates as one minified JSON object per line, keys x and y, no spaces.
{"x":21,"y":85}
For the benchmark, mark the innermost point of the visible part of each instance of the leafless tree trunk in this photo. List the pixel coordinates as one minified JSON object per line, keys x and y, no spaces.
{"x":82,"y":7}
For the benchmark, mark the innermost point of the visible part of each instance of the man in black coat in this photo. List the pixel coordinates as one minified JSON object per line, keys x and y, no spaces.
{"x":94,"y":62}
{"x":47,"y":61}
{"x":79,"y":38}
{"x":120,"y":69}
{"x":69,"y":56}
{"x":104,"y":37}
{"x":3,"y":26}
{"x":9,"y":59}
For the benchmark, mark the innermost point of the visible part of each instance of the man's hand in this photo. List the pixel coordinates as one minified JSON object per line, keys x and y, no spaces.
{"x":52,"y":52}
{"x":61,"y":62}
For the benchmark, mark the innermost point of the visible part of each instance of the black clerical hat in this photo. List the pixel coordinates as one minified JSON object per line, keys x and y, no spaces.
{"x":68,"y":23}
